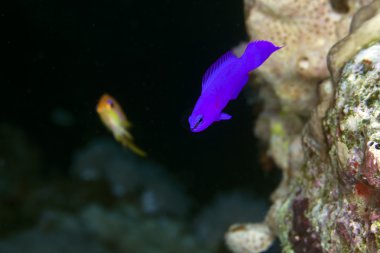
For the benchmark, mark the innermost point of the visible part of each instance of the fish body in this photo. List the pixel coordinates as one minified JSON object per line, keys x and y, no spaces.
{"x":114,"y":118}
{"x":223,"y":82}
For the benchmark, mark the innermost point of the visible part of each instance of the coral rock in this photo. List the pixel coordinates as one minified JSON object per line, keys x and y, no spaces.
{"x":331,"y":203}
{"x":307,"y":30}
{"x":328,"y":200}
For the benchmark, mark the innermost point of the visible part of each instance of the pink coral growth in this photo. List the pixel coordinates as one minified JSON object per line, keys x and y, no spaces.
{"x":371,"y":170}
{"x":343,"y":231}
{"x":302,"y":236}
{"x":368,"y":186}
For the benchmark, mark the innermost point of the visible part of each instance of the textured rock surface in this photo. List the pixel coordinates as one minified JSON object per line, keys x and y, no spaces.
{"x":328,"y":200}
{"x":307,"y":29}
{"x":331,"y":204}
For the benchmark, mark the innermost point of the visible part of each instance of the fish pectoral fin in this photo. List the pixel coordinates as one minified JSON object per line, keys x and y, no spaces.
{"x":224,"y":116}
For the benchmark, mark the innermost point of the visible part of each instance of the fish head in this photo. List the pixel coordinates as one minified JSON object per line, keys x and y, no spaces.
{"x":206,"y":111}
{"x":199,"y":121}
{"x":106,"y":103}
{"x":111,"y":113}
{"x":196,"y":123}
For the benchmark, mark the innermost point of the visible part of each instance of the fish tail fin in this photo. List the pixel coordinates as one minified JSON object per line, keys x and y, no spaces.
{"x":256,"y":53}
{"x":127,"y":142}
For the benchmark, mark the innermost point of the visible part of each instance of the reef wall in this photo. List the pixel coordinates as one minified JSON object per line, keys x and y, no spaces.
{"x":325,"y":138}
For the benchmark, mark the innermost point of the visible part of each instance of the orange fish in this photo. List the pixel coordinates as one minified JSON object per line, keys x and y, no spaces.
{"x":113,"y":117}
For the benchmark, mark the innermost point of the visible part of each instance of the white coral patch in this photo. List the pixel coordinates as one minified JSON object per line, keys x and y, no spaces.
{"x":352,"y":123}
{"x":371,"y":54}
{"x":364,"y":113}
{"x":374,"y":148}
{"x":249,"y":238}
{"x":351,"y":78}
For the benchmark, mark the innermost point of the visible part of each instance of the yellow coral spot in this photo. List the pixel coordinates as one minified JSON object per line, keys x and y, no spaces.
{"x":277,"y":129}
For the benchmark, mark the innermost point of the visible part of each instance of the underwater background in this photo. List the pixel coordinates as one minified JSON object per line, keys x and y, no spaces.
{"x":66,"y":185}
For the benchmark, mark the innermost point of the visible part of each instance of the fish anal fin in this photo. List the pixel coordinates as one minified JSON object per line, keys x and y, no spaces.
{"x":135,"y":149}
{"x":127,"y":142}
{"x":224,"y":116}
{"x":227,"y":58}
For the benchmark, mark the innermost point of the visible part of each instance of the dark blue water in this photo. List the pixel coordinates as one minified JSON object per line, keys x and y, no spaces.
{"x":59,"y":57}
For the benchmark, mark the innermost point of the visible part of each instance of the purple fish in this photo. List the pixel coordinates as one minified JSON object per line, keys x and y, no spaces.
{"x":223,"y":82}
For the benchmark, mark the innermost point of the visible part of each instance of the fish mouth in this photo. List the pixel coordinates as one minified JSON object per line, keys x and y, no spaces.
{"x":199,"y":121}
{"x":194,"y":128}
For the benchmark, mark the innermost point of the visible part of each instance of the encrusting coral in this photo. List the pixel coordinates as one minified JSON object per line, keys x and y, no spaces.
{"x":307,"y":30}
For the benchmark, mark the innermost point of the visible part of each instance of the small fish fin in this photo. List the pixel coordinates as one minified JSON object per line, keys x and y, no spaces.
{"x":224,"y":116}
{"x":128,"y":143}
{"x":257,"y":52}
{"x":224,"y":59}
{"x":127,"y":124}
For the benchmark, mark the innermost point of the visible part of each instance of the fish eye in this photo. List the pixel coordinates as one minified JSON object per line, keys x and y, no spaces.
{"x":110,"y":103}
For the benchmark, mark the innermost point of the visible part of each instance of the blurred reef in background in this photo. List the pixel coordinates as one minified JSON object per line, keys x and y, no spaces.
{"x":111,"y":201}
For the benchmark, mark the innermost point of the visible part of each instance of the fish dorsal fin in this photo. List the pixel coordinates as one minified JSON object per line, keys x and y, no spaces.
{"x":224,"y":59}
